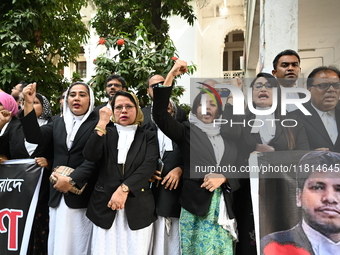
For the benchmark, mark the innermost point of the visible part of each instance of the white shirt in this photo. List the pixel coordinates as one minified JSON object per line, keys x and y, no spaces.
{"x":265,"y":126}
{"x":30,"y":147}
{"x":76,"y":123}
{"x":218,"y":146}
{"x":164,"y":142}
{"x":321,"y":244}
{"x":108,"y":105}
{"x":328,"y":120}
{"x":126,"y":135}
{"x":2,"y":131}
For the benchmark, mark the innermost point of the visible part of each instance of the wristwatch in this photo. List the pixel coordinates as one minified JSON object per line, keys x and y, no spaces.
{"x":124,"y":188}
{"x":72,"y":182}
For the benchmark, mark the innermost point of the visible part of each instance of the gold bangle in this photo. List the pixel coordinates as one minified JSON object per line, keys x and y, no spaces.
{"x":100,"y":130}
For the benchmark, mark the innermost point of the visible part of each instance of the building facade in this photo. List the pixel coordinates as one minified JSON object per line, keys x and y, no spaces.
{"x":241,"y":37}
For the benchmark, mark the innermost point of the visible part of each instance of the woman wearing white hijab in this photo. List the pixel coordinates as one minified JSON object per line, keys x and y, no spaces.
{"x":69,"y":227}
{"x":122,"y":206}
{"x":265,"y":135}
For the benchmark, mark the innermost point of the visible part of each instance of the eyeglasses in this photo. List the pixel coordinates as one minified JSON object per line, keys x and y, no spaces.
{"x":259,"y":85}
{"x":156,"y":84}
{"x":119,"y":108}
{"x":326,"y":86}
{"x":117,"y":85}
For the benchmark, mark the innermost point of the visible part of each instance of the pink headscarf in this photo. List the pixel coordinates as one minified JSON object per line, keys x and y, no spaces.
{"x":9,"y":103}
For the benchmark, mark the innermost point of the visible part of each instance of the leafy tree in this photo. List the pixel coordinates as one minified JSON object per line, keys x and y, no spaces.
{"x":135,"y":60}
{"x":114,"y":16}
{"x":38,"y":38}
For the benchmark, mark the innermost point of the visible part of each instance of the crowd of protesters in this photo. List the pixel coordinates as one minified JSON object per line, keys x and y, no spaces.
{"x":117,"y":178}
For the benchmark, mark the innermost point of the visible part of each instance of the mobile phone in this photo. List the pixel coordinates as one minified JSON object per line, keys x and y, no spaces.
{"x":160,"y":167}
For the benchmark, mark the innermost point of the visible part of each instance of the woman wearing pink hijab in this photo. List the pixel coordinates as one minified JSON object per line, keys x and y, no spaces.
{"x":13,"y":145}
{"x":8,"y":110}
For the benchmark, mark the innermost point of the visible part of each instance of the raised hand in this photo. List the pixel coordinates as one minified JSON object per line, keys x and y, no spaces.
{"x":29,"y":93}
{"x":5,"y":117}
{"x":180,"y":67}
{"x":104,"y":116}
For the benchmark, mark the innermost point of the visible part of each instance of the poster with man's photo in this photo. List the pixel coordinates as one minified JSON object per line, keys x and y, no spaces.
{"x":296,"y":202}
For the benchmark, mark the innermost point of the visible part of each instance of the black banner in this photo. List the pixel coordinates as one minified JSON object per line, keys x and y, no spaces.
{"x":20,"y":182}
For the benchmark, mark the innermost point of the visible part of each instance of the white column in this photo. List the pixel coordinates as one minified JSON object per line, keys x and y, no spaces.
{"x":278,"y":29}
{"x":89,"y":62}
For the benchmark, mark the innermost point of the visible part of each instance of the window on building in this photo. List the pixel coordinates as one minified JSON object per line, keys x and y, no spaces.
{"x":233,"y":50}
{"x":81,"y":69}
{"x":238,"y":37}
{"x":225,"y":60}
{"x":236,"y":59}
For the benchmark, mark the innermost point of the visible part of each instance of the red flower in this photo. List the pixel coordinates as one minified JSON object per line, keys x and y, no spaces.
{"x":120,"y":42}
{"x":283,"y":249}
{"x":94,"y":60}
{"x":102,"y":41}
{"x":174,"y":58}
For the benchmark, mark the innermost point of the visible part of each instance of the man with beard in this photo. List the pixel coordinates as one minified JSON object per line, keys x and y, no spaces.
{"x":114,"y":83}
{"x":323,"y":125}
{"x":318,"y":195}
{"x":287,"y":70}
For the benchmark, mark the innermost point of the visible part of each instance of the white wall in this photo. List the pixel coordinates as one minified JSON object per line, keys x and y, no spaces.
{"x":184,"y":38}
